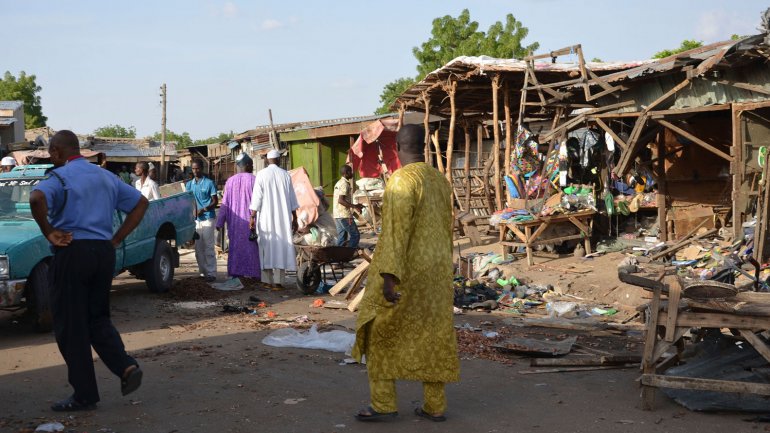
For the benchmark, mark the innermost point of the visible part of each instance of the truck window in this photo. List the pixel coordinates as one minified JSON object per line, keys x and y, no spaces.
{"x":14,"y":198}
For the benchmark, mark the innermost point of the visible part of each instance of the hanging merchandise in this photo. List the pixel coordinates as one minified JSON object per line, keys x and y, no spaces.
{"x":563,"y":164}
{"x":610,"y":142}
{"x":524,"y":159}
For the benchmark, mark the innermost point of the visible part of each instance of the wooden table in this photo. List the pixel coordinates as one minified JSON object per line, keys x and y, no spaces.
{"x":748,"y":313}
{"x":530,"y":233}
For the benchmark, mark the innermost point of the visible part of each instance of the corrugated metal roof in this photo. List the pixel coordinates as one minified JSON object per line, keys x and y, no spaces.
{"x":10,"y":105}
{"x":132,"y":150}
{"x":5,"y":121}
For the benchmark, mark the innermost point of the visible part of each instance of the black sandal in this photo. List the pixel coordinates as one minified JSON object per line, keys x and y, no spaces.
{"x":132,"y":382}
{"x":421,"y":413}
{"x":69,"y":404}
{"x":374,"y":415}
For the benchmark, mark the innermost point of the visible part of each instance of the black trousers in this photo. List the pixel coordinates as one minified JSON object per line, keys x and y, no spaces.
{"x":81,"y":276}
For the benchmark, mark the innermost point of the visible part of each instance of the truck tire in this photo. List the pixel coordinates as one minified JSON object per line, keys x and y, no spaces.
{"x":39,"y":297}
{"x":159,"y":270}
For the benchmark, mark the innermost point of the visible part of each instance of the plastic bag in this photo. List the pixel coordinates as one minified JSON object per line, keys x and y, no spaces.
{"x":333,"y":341}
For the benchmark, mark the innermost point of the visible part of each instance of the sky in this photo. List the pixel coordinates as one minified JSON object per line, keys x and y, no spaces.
{"x":226,"y":63}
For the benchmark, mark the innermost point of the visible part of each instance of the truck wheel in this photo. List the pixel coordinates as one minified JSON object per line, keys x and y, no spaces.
{"x":39,"y":297}
{"x":308,"y":277}
{"x":159,"y":270}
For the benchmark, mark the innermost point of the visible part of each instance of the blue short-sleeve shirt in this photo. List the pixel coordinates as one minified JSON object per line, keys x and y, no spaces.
{"x":203,"y":190}
{"x":93,"y":195}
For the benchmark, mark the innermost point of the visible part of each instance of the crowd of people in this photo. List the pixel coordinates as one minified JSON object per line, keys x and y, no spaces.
{"x":405,"y":325}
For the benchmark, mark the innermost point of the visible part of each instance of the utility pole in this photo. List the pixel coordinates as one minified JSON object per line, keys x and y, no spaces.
{"x":273,"y":135}
{"x":162,"y":172}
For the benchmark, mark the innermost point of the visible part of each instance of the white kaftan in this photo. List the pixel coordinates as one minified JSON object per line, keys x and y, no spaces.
{"x":274,"y":200}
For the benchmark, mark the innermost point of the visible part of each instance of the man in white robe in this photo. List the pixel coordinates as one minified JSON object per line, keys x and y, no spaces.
{"x":273,"y":212}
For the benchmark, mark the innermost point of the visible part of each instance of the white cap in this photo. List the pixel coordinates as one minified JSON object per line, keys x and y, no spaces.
{"x":274,"y":154}
{"x":8,"y":161}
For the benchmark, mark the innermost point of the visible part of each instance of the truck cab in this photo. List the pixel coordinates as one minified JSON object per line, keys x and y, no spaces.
{"x":150,"y":252}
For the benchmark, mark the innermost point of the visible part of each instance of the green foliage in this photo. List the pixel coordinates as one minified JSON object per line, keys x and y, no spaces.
{"x":115,"y":131}
{"x":597,"y":60}
{"x":686,"y":45}
{"x":391,"y":91}
{"x":25,"y":89}
{"x":182,"y":140}
{"x":216,"y":139}
{"x":453,"y":37}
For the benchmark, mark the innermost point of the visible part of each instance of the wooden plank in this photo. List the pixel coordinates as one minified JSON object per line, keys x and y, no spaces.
{"x":683,"y":111}
{"x":662,"y":347}
{"x":426,"y":127}
{"x":508,"y":132}
{"x":356,"y":284}
{"x":574,"y":369}
{"x":452,"y":91}
{"x":614,"y":136}
{"x":674,"y":295}
{"x":650,"y":339}
{"x":585,"y":361}
{"x":496,"y":132}
{"x":694,"y":139}
{"x":758,"y":343}
{"x":684,"y":242}
{"x":678,"y":382}
{"x":737,"y":173}
{"x":349,"y":278}
{"x":745,"y":86}
{"x":353,"y":305}
{"x":719,"y":320}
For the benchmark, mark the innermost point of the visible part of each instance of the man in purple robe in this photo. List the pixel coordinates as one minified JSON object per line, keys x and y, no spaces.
{"x":243,"y":255}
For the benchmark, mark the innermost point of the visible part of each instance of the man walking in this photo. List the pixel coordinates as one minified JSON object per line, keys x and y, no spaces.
{"x":347,"y":229}
{"x":124,"y":175}
{"x":243,"y":254}
{"x":205,"y":193}
{"x":83,"y":264}
{"x":273,"y":212}
{"x":145,"y":185}
{"x":405,"y":324}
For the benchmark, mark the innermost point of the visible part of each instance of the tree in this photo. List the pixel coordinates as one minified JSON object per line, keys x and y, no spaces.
{"x":453,"y":37}
{"x":686,"y":45}
{"x":24,"y":89}
{"x":597,"y":60}
{"x":115,"y":131}
{"x":216,"y":139}
{"x":393,"y":90}
{"x":182,"y":140}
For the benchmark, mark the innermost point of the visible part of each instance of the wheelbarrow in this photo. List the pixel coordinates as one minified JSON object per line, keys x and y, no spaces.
{"x":313,"y":262}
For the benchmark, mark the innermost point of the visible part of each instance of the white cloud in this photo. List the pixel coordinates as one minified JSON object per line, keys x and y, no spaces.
{"x":271,"y":24}
{"x":717,"y":25}
{"x":229,"y":10}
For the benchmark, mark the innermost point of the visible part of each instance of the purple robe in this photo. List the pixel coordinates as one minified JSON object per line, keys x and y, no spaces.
{"x":243,"y":255}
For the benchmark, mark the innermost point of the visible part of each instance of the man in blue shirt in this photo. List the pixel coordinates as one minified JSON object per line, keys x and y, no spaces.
{"x":205,"y":193}
{"x":74,"y":209}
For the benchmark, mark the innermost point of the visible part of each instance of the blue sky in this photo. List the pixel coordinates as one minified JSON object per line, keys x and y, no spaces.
{"x":227,"y":62}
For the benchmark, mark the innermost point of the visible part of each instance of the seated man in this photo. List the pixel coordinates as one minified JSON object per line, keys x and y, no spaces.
{"x":343,"y":214}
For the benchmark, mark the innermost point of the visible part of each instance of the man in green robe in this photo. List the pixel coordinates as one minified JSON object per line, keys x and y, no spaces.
{"x":405,"y":324}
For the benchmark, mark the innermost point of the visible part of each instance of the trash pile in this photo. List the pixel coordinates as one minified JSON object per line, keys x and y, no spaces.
{"x":490,"y":289}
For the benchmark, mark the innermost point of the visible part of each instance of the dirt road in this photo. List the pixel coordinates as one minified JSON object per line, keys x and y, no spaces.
{"x":207,"y":371}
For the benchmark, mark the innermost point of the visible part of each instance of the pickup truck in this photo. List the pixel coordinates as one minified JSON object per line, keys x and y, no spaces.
{"x":150,"y":252}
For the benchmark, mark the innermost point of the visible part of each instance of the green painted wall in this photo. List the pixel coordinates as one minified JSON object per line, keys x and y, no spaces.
{"x":305,"y":154}
{"x":334,"y":152}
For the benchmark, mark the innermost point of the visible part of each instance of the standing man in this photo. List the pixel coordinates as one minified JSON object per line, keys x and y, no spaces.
{"x":205,"y":193}
{"x":147,"y":186}
{"x":343,"y":214}
{"x":405,"y":324}
{"x":243,"y":255}
{"x":124,"y":175}
{"x":83,"y":265}
{"x":273,"y":212}
{"x":7,"y":164}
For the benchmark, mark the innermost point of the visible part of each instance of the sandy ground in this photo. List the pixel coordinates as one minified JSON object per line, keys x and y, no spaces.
{"x":208,"y":371}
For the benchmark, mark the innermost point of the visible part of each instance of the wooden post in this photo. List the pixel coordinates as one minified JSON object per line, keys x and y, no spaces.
{"x":508,"y":132}
{"x":479,"y":144}
{"x":426,"y":126}
{"x":662,"y":187}
{"x":451,"y":90}
{"x":162,"y":172}
{"x":401,"y":111}
{"x":736,"y":169}
{"x":467,"y":131}
{"x":496,"y":122}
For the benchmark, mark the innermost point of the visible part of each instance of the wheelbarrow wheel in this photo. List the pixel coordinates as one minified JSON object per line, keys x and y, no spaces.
{"x":308,"y":277}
